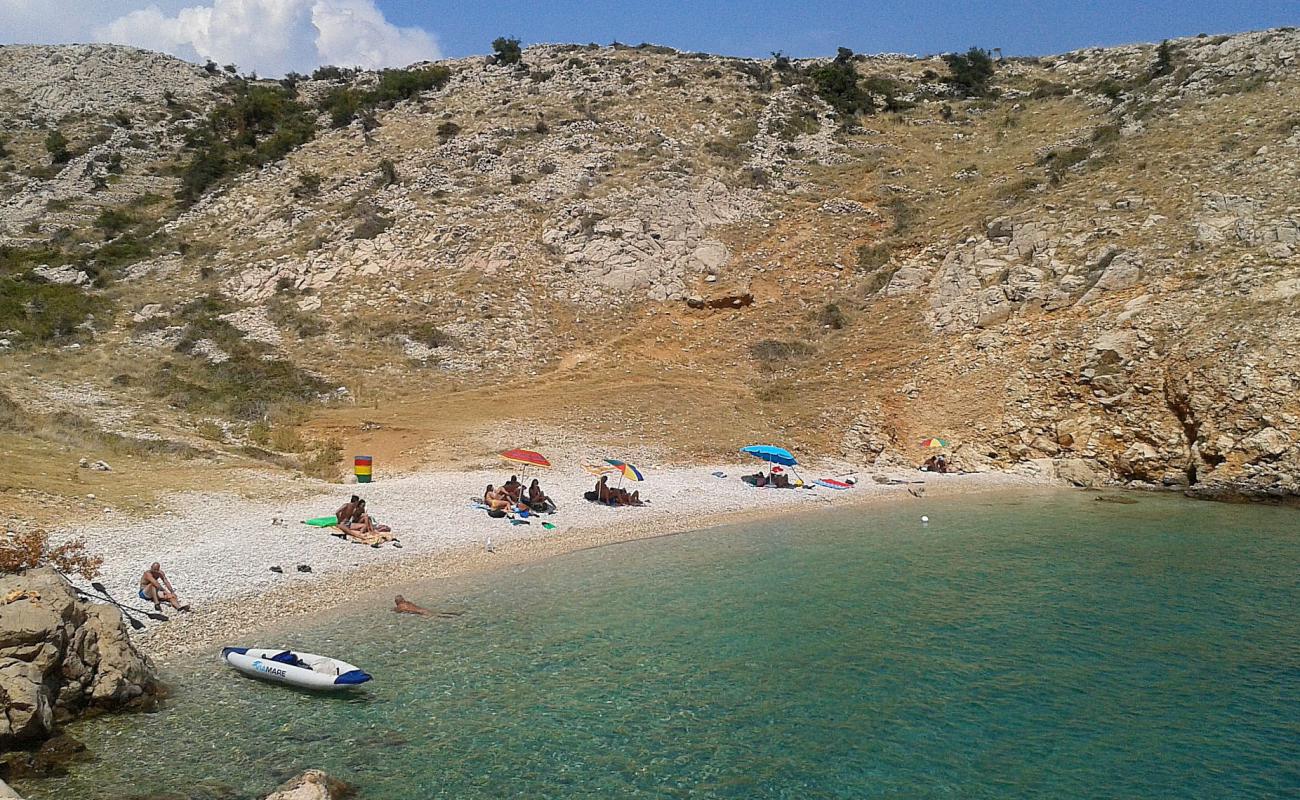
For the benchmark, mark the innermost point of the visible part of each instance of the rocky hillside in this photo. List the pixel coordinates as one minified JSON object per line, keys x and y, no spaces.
{"x":1085,"y":264}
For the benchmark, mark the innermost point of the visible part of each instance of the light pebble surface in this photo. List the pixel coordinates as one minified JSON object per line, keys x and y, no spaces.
{"x":218,"y":549}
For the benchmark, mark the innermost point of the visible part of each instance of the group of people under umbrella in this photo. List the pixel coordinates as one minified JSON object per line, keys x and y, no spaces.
{"x":780,"y":474}
{"x":512,"y":497}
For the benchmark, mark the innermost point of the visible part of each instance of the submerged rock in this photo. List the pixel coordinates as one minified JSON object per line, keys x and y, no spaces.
{"x":60,"y":657}
{"x":313,"y":784}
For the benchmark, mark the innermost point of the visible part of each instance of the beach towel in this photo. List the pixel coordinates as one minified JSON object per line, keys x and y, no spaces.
{"x":831,"y":483}
{"x":322,"y":522}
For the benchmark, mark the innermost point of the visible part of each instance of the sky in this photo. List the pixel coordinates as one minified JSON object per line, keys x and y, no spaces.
{"x":272,"y":37}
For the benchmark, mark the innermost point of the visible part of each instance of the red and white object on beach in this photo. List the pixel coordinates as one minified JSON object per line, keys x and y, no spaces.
{"x":831,"y":483}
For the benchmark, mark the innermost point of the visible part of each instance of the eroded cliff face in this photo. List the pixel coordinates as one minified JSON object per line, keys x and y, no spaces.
{"x":61,"y":657}
{"x":1092,"y":270}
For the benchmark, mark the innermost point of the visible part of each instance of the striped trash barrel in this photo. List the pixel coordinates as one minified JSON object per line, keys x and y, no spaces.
{"x":362,"y":466}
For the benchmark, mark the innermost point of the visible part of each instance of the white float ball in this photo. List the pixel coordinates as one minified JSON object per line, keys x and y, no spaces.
{"x":925,"y":519}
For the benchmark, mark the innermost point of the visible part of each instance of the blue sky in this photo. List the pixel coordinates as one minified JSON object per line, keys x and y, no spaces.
{"x":274,"y":36}
{"x":817,"y":27}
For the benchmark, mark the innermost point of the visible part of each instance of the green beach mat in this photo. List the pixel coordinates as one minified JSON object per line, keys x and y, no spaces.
{"x":322,"y":522}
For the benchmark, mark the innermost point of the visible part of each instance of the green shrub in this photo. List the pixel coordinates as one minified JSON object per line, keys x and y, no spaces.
{"x":1164,"y":61}
{"x":258,"y":125}
{"x":42,"y":311}
{"x":874,"y":256}
{"x":772,"y":353}
{"x":284,"y":312}
{"x":113,"y":221}
{"x":329,"y":72}
{"x":372,"y":223}
{"x":832,"y":316}
{"x":345,"y":104}
{"x":387,"y":172}
{"x":1047,"y":89}
{"x":971,"y":72}
{"x":247,"y":385}
{"x":507,"y":50}
{"x":837,"y":84}
{"x":308,"y":185}
{"x":56,"y":144}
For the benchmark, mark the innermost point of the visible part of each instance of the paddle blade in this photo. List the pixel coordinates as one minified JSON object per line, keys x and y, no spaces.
{"x":159,"y":617}
{"x":99,"y":587}
{"x":135,"y":623}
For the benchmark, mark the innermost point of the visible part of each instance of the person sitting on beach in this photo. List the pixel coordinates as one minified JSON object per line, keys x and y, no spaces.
{"x":345,"y":513}
{"x":931,"y":464}
{"x":496,"y":499}
{"x":513,"y":489}
{"x":603,"y":493}
{"x":537,"y":499}
{"x":403,"y":606}
{"x":157,"y":589}
{"x":362,"y":529}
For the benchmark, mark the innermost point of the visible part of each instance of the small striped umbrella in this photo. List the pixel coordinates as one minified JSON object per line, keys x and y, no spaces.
{"x":625,"y":469}
{"x":934,"y":442}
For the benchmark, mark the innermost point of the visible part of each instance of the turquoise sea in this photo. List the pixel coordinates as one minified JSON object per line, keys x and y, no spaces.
{"x":1036,"y":646}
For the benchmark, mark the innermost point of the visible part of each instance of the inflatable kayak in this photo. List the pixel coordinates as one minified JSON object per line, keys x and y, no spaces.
{"x":295,"y":669}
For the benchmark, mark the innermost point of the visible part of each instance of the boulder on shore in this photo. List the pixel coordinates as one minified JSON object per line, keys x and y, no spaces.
{"x":61,"y":657}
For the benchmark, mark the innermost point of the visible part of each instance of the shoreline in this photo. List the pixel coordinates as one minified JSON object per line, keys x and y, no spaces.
{"x":219,"y":562}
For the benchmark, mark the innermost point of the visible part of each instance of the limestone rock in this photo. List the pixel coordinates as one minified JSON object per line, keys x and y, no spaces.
{"x":60,"y":657}
{"x":1078,"y":472}
{"x":313,"y":784}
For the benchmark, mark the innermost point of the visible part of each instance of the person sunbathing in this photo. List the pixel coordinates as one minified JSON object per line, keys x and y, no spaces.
{"x":496,"y":499}
{"x":157,"y":589}
{"x":604,"y":494}
{"x":537,"y":499}
{"x":625,"y":499}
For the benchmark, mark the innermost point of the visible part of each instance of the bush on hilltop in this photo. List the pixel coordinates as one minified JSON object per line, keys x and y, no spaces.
{"x":507,"y":50}
{"x":971,"y":71}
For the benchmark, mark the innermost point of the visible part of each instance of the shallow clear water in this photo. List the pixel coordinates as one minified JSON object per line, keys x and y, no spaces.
{"x":1045,"y":646}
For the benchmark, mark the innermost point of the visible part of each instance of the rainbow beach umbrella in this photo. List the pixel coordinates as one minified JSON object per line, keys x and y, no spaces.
{"x":625,"y":469}
{"x":934,"y":442}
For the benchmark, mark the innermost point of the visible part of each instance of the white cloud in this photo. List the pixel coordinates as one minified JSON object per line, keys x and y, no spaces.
{"x":355,"y":33}
{"x":274,"y":36}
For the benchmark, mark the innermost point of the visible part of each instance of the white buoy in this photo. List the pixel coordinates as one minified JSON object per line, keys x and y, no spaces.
{"x":925,"y":520}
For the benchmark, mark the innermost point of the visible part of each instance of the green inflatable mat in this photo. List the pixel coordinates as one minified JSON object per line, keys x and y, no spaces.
{"x":322,"y":522}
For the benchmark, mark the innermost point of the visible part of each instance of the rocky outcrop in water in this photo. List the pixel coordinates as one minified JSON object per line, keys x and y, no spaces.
{"x":313,"y":784}
{"x":61,"y":658}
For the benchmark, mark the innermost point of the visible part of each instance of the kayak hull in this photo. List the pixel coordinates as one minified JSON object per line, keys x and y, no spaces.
{"x":294,"y":668}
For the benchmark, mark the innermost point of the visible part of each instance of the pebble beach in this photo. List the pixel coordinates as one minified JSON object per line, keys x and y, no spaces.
{"x":219,"y":548}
